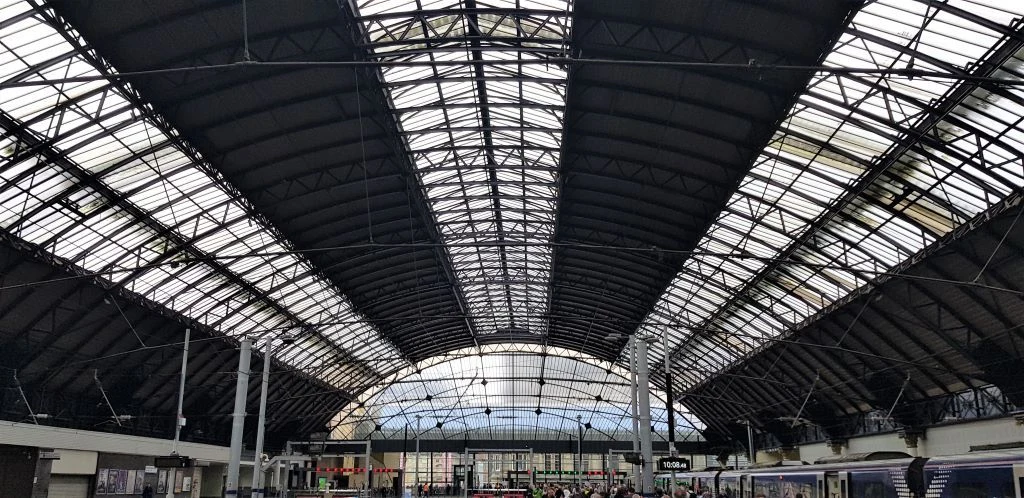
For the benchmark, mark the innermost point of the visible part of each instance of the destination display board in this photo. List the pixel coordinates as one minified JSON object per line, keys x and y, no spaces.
{"x":669,"y":464}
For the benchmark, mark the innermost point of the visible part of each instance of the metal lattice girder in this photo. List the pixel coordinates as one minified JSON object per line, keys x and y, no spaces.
{"x":84,"y":329}
{"x":928,"y":334}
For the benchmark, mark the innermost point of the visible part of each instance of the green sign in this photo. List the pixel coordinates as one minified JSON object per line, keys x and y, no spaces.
{"x":321,"y":484}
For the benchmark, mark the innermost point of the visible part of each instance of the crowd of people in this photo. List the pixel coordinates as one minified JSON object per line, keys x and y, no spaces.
{"x":559,"y":491}
{"x":602,"y":491}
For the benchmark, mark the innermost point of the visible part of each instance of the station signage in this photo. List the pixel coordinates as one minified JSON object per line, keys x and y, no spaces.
{"x":669,"y":464}
{"x":172,"y":462}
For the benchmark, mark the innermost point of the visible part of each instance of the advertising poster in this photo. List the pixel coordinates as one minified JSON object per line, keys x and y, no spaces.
{"x":130,"y":487}
{"x":196,"y":484}
{"x":101,"y":482}
{"x":140,"y":476}
{"x":122,"y":481}
{"x":111,"y":481}
{"x":186,"y":484}
{"x":179,"y":480}
{"x":161,"y":481}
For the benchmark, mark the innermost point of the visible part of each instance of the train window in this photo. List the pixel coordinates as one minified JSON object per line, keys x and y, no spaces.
{"x":870,"y":490}
{"x":786,"y":488}
{"x":1008,"y":491}
{"x":872,"y":485}
{"x":994,"y":482}
{"x":968,"y":490}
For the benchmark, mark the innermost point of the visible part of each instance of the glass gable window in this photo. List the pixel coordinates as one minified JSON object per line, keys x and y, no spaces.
{"x":507,"y":392}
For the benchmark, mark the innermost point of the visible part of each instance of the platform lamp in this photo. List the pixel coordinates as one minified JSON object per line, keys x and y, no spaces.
{"x":268,"y":355}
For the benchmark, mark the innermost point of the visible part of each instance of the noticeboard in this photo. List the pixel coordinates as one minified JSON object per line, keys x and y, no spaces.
{"x":172,"y":462}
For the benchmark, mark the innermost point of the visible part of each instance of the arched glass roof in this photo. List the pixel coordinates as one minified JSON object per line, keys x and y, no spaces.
{"x":518,"y":392}
{"x":524,"y":204}
{"x":864,"y":173}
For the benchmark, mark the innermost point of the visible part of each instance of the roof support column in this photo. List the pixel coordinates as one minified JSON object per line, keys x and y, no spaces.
{"x":632,"y":404}
{"x":644,"y":402}
{"x":238,"y":418}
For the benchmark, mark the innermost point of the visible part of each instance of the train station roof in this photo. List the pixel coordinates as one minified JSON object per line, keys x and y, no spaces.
{"x":791,"y":197}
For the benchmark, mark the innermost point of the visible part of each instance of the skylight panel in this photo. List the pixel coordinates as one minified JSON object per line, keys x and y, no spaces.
{"x":505,"y":285}
{"x":839,"y":127}
{"x":66,"y":205}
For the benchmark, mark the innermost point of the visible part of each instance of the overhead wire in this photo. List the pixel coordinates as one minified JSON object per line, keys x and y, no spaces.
{"x":757,"y":68}
{"x":85,"y":275}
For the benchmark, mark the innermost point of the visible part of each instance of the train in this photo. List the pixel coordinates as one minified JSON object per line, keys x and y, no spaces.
{"x":989,"y":474}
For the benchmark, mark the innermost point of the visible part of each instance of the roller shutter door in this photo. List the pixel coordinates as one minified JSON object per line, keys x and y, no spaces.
{"x":64,"y":486}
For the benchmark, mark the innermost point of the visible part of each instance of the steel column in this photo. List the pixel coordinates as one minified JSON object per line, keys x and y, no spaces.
{"x":669,"y":409}
{"x":644,"y":406}
{"x":257,"y":473}
{"x":179,"y":418}
{"x":632,"y":405}
{"x":238,"y":418}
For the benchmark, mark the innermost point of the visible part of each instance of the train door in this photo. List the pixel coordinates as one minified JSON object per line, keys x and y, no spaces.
{"x":747,"y":486}
{"x":837,"y":485}
{"x":1018,"y":480}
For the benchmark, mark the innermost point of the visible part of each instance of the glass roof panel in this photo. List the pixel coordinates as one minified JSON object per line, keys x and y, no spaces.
{"x":95,"y":179}
{"x":838,"y":186}
{"x":494,"y":202}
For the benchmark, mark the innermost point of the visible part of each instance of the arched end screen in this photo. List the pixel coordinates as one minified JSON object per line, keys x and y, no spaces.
{"x":522,"y":392}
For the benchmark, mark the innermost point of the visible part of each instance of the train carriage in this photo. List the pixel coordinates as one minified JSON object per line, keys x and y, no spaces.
{"x":993,"y":474}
